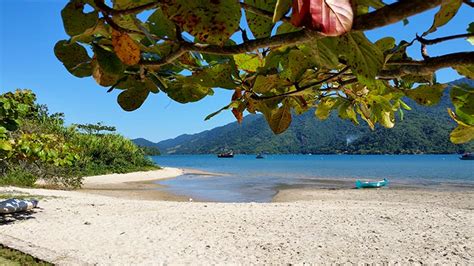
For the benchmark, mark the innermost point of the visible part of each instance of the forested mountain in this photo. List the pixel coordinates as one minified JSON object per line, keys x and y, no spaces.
{"x":423,"y":130}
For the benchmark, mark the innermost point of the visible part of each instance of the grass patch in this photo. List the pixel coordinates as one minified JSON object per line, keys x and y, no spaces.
{"x":18,"y":178}
{"x":11,"y":257}
{"x":22,"y":196}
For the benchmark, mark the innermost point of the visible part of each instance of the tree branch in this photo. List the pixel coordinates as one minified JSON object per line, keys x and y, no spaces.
{"x":393,"y":13}
{"x":469,"y":3}
{"x":384,"y":16}
{"x":442,"y":39}
{"x":430,"y":65}
{"x":303,"y":88}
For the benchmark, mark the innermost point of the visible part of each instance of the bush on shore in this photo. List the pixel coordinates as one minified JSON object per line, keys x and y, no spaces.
{"x":35,"y":144}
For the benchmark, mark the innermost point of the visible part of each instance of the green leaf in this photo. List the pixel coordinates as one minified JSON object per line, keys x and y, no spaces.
{"x":132,"y":99}
{"x":260,"y":26}
{"x":362,"y":6}
{"x":215,"y":76}
{"x":279,"y":119}
{"x":108,"y":61}
{"x":127,"y":4}
{"x":323,"y":51}
{"x":346,"y":111}
{"x":185,"y":90}
{"x":5,"y":145}
{"x":467,"y":71}
{"x":75,"y":20}
{"x":74,"y":57}
{"x":364,"y":58}
{"x":161,"y":26}
{"x":386,"y":44}
{"x":229,"y":106}
{"x":102,"y":77}
{"x":264,"y":84}
{"x":470,"y":29}
{"x":448,"y":9}
{"x":462,"y":97}
{"x":426,"y":94}
{"x":209,"y":21}
{"x":286,"y":27}
{"x":88,"y":36}
{"x":135,"y":83}
{"x":282,"y":7}
{"x":248,"y":62}
{"x":462,"y":134}
{"x":324,"y":108}
{"x":296,"y":65}
{"x":404,"y":105}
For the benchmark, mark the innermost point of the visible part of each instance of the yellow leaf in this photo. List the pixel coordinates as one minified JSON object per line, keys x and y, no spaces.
{"x":126,"y":49}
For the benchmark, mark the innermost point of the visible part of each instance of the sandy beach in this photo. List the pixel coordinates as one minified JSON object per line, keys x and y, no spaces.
{"x":300,"y":226}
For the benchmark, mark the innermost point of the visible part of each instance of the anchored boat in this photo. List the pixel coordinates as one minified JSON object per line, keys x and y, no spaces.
{"x":467,"y":156}
{"x":226,"y":155}
{"x":371,"y":184}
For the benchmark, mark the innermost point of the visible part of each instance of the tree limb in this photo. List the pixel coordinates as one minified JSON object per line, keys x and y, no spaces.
{"x":469,"y":3}
{"x":303,"y":88}
{"x":393,"y":13}
{"x":430,"y":65}
{"x":384,"y":16}
{"x":442,"y":39}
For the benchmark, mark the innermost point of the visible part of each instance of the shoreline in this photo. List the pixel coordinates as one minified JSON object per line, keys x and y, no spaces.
{"x":143,"y":185}
{"x":134,"y":185}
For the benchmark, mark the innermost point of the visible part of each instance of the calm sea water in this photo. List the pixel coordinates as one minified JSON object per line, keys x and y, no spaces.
{"x":246,"y":179}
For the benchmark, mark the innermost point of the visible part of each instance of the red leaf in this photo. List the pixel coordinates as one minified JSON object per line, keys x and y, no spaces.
{"x":237,"y":113}
{"x":330,"y":17}
{"x":300,"y":15}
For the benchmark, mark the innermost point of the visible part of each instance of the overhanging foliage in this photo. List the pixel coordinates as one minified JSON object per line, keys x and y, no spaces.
{"x":289,"y":60}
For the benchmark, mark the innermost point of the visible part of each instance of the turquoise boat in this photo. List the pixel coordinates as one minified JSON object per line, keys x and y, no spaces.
{"x":371,"y":184}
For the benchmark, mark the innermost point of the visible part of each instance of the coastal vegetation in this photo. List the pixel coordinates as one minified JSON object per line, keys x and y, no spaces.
{"x":35,"y":144}
{"x":11,"y":257}
{"x":289,"y":57}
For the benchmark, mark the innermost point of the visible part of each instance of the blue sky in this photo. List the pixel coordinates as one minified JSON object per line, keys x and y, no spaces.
{"x":30,"y":28}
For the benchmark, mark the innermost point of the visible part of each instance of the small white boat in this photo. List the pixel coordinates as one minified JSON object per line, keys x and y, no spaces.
{"x":17,"y":205}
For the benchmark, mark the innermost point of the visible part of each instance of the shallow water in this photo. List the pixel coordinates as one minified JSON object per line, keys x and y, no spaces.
{"x":246,"y":179}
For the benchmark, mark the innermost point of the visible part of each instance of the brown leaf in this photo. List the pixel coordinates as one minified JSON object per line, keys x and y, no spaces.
{"x":237,"y":112}
{"x":279,"y":119}
{"x":126,"y":49}
{"x":330,"y":17}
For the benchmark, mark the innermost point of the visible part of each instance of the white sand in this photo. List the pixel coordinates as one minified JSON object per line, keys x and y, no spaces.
{"x":111,"y":179}
{"x":358,"y":226}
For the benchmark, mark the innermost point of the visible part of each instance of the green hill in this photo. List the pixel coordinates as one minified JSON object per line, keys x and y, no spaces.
{"x":423,"y":130}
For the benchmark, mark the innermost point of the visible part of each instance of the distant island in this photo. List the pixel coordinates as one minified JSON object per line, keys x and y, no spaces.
{"x":422,"y":130}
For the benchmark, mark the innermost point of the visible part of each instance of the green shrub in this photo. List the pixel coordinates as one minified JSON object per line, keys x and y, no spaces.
{"x":18,"y":177}
{"x":37,"y":145}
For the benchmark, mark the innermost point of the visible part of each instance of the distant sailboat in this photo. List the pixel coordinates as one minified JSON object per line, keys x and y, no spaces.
{"x":259,"y":156}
